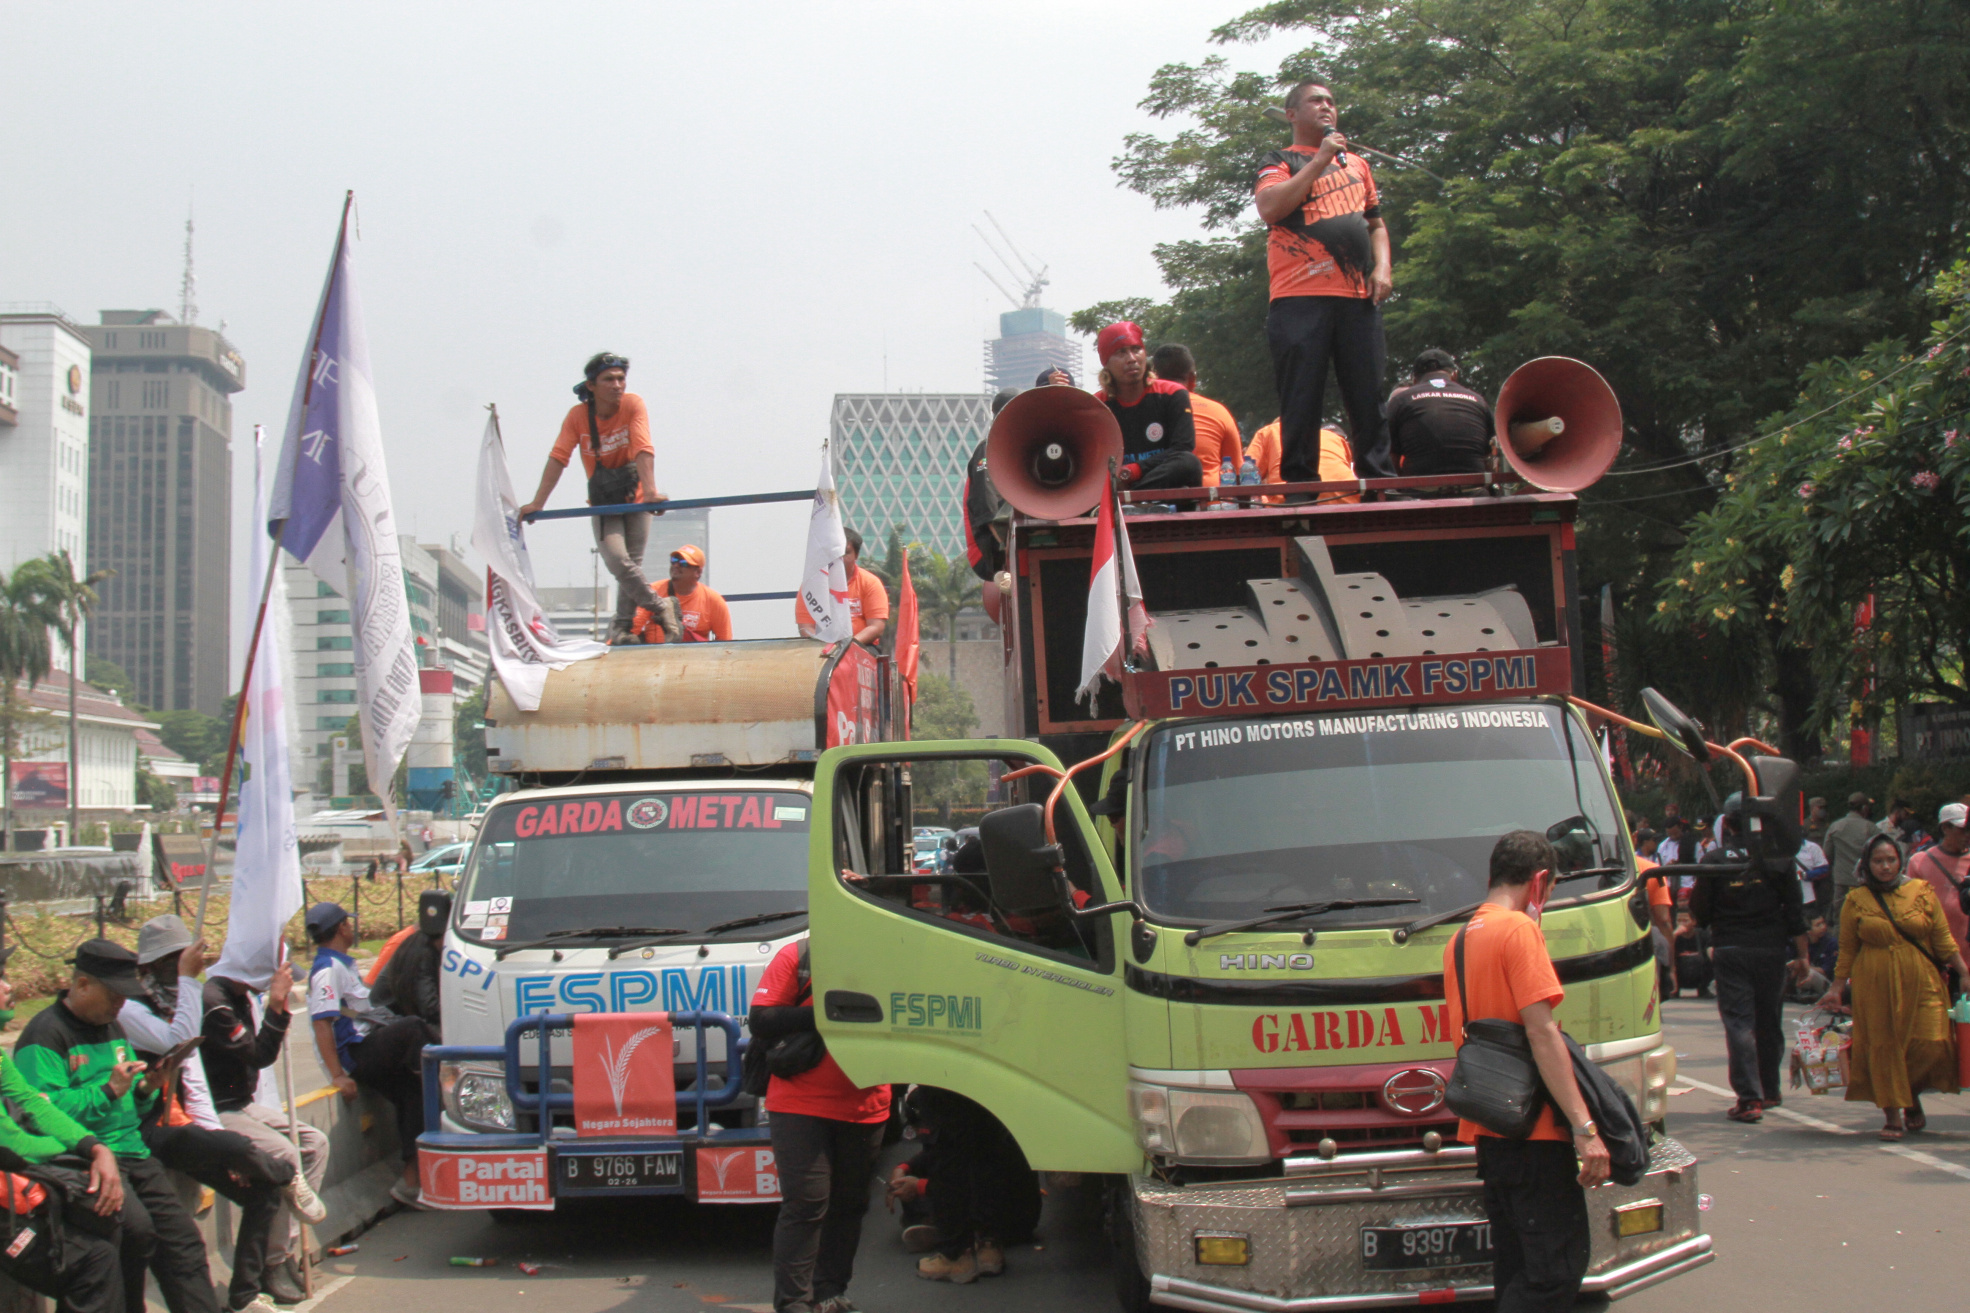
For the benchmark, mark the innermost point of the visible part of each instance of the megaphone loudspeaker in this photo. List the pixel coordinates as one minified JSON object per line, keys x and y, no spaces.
{"x":1049,"y":449}
{"x":1559,"y":423}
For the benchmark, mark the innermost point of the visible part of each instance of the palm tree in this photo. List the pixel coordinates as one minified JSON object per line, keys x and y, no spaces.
{"x":944,"y":588}
{"x":23,"y":655}
{"x":66,"y":601}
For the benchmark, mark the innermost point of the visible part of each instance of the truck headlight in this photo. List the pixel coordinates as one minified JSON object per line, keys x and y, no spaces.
{"x":1658,"y":1071}
{"x":1198,"y":1126}
{"x":475,"y":1095}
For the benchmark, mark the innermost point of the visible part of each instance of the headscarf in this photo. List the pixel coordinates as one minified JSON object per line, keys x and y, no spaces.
{"x":1866,"y":871}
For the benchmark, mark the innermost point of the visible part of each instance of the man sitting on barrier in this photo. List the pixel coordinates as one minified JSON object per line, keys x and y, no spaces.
{"x":1159,"y":435}
{"x":1437,"y":425}
{"x":700,"y":615}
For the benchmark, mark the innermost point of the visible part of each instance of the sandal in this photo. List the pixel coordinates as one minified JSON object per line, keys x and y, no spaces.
{"x":1891,"y":1133}
{"x":1915,"y":1121}
{"x":1745,"y":1110}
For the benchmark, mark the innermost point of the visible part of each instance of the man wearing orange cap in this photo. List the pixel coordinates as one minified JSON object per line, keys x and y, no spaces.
{"x":701,"y":610}
{"x":1159,"y":436}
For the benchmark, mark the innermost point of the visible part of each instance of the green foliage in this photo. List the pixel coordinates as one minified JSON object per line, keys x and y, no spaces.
{"x":944,"y":711}
{"x":196,"y":737}
{"x":111,"y":678}
{"x":1859,"y":489}
{"x":469,"y":735}
{"x":155,"y":793}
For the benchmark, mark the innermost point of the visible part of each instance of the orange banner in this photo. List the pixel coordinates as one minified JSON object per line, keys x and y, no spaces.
{"x":625,"y":1074}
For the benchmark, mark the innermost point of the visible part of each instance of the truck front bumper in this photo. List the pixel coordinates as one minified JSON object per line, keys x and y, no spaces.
{"x":1305,"y":1238}
{"x":466,"y":1170}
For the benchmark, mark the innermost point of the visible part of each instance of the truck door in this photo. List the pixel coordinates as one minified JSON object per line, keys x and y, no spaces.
{"x":925,"y":983}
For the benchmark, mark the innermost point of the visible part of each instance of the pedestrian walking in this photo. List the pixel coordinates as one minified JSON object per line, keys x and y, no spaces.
{"x":1752,"y":920}
{"x":1845,"y":839}
{"x":1896,"y":949}
{"x":1535,"y":1188}
{"x":827,"y":1132}
{"x":1946,"y":866}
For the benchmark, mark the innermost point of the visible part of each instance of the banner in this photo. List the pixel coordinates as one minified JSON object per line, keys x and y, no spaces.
{"x":267,"y":865}
{"x":738,"y":1176}
{"x":853,"y":693}
{"x":824,"y":583}
{"x":333,"y":494}
{"x":40,"y":783}
{"x":524,"y":643}
{"x":499,"y":1178}
{"x":624,"y":1074}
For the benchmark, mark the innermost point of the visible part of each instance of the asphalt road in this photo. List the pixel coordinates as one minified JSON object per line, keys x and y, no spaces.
{"x":1807,"y":1206}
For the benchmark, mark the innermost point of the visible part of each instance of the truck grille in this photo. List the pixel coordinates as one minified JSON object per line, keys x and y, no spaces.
{"x":1303,"y":1106}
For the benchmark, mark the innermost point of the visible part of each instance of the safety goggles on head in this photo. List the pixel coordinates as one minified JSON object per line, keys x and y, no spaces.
{"x":606,"y":361}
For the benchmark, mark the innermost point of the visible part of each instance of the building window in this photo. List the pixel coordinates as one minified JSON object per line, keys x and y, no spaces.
{"x":157,"y":394}
{"x":113,"y":395}
{"x":323,"y":590}
{"x":337,"y":695}
{"x":331,"y":617}
{"x":337,"y":643}
{"x":333,"y":723}
{"x":335,"y":669}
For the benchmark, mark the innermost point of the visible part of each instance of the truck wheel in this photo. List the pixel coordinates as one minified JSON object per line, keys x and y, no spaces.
{"x":1131,"y":1283}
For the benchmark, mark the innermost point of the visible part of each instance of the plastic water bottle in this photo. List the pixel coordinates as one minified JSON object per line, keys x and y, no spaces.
{"x":1226,"y":474}
{"x":1250,"y":473}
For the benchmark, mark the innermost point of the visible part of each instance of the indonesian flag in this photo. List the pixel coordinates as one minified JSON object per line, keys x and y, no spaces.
{"x":1112,"y":588}
{"x":909,"y":647}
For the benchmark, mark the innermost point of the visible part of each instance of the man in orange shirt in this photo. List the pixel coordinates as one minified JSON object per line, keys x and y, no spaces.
{"x":1217,"y":431}
{"x":1327,"y":254}
{"x":611,"y":427}
{"x":701,"y":610}
{"x":1336,"y":461}
{"x":1534,"y":1192}
{"x":868,"y":600}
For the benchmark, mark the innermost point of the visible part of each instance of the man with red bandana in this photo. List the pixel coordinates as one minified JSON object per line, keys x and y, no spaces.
{"x":1327,"y":251}
{"x":1159,"y":436}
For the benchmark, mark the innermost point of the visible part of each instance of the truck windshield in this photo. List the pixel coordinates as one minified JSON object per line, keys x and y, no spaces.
{"x":1243,"y":816}
{"x":686,"y":859}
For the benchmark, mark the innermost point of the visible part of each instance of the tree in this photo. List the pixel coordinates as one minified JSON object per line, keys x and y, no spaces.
{"x":196,"y":737}
{"x":945,"y":588}
{"x":111,"y":678}
{"x":155,"y":793}
{"x":23,"y":655}
{"x":944,"y":711}
{"x":67,"y":600}
{"x":1859,"y":491}
{"x":469,"y":733}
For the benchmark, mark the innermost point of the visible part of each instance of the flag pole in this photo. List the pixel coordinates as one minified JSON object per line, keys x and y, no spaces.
{"x":294,"y":1129}
{"x":266,"y":591}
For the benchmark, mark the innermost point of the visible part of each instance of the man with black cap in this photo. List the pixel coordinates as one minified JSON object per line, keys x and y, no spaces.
{"x":610,"y":425}
{"x":75,"y":1052}
{"x":1436,"y":424}
{"x":362,"y":1044}
{"x":186,"y":1134}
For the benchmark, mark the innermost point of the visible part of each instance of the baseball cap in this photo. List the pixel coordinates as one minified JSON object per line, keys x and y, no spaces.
{"x":1953,"y":813}
{"x":111,"y":963}
{"x":688,"y":555}
{"x":162,"y":936}
{"x":1858,"y":800}
{"x":322,"y":919}
{"x":1116,"y":336}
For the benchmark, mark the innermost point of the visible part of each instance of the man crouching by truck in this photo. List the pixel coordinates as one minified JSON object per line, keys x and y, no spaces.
{"x":1534,"y":1192}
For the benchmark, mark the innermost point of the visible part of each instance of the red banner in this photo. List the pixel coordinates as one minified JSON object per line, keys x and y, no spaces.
{"x":42,"y":783}
{"x":737,"y":1176}
{"x":499,"y":1178}
{"x":853,"y":708}
{"x":624,"y":1074}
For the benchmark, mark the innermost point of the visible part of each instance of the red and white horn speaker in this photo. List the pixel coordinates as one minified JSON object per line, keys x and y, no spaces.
{"x":1049,"y":449}
{"x":1558,"y":423}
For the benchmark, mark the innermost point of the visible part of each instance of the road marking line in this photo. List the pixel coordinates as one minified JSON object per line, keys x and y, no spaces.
{"x":1899,"y":1150}
{"x":321,"y":1293}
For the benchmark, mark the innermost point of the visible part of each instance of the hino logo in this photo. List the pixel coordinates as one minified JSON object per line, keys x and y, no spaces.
{"x":1414,"y":1092}
{"x":1265,"y":961}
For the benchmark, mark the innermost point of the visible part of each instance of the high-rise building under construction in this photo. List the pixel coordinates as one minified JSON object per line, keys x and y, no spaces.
{"x":1030,"y":339}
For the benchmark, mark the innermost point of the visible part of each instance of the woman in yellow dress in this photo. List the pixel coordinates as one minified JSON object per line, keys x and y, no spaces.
{"x":1894,"y":945}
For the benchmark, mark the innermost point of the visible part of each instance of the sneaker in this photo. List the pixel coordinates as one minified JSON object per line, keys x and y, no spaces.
{"x":919,"y":1239}
{"x":1745,"y":1110}
{"x":304,"y":1200}
{"x":281,"y":1284}
{"x":959,"y":1271}
{"x":408,"y":1196}
{"x":991,"y":1258}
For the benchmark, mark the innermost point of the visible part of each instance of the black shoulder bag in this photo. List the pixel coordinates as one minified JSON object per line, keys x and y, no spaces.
{"x":1496,"y":1080}
{"x":789,"y":1055}
{"x":610,"y":485}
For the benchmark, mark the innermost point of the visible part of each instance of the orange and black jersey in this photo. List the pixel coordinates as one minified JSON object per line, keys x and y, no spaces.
{"x":1157,"y":424}
{"x":1322,"y":247}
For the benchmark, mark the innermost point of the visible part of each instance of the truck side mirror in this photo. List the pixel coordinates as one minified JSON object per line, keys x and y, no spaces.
{"x":1019,"y":862}
{"x":1682,"y":731}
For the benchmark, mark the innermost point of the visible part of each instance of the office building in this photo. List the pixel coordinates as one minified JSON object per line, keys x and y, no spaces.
{"x":1031,"y":339}
{"x":460,"y":612}
{"x":160,"y":505}
{"x":44,"y":451}
{"x":900,"y":457}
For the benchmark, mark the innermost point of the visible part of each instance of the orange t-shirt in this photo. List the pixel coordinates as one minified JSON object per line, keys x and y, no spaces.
{"x":1657,"y":885}
{"x":1323,"y":248}
{"x":1506,"y":964}
{"x":704,"y":613}
{"x":1336,"y":461}
{"x":624,"y":436}
{"x":868,"y":601}
{"x":1217,"y":437}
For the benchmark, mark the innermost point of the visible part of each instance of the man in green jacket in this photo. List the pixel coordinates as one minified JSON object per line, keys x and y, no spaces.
{"x":76,"y":1053}
{"x":82,"y":1272}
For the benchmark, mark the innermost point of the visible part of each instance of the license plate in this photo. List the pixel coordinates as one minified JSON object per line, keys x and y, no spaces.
{"x":619,"y":1171}
{"x":1443,"y":1244}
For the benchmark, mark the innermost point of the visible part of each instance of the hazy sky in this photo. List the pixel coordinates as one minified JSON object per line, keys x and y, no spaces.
{"x":755,"y":203}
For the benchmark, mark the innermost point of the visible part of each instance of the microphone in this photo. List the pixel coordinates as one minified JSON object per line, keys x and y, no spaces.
{"x":1340,"y":156}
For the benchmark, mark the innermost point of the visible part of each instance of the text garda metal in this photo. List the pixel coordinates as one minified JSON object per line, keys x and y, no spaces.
{"x":1353,"y":685}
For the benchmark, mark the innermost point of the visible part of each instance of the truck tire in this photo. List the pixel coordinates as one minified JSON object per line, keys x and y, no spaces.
{"x":1131,"y":1282}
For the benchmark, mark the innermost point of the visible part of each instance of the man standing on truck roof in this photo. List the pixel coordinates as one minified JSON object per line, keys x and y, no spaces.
{"x":1217,"y":431}
{"x":611,"y":427}
{"x":1534,"y":1194}
{"x":702,"y":614}
{"x":1159,"y":433}
{"x":1327,"y":251}
{"x":868,"y":600}
{"x":1436,"y":424}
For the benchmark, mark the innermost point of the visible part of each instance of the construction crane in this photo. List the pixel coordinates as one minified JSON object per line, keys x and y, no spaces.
{"x":1029,"y":280}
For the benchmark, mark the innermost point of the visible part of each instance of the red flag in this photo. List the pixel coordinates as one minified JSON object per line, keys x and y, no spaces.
{"x":909,"y":646}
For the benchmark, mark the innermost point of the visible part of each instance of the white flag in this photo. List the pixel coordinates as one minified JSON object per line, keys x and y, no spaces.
{"x":333,"y":493}
{"x":267,"y":865}
{"x":524,"y":643}
{"x":824,"y":584}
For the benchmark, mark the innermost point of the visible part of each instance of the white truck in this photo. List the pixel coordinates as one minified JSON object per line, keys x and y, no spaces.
{"x":653,"y":861}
